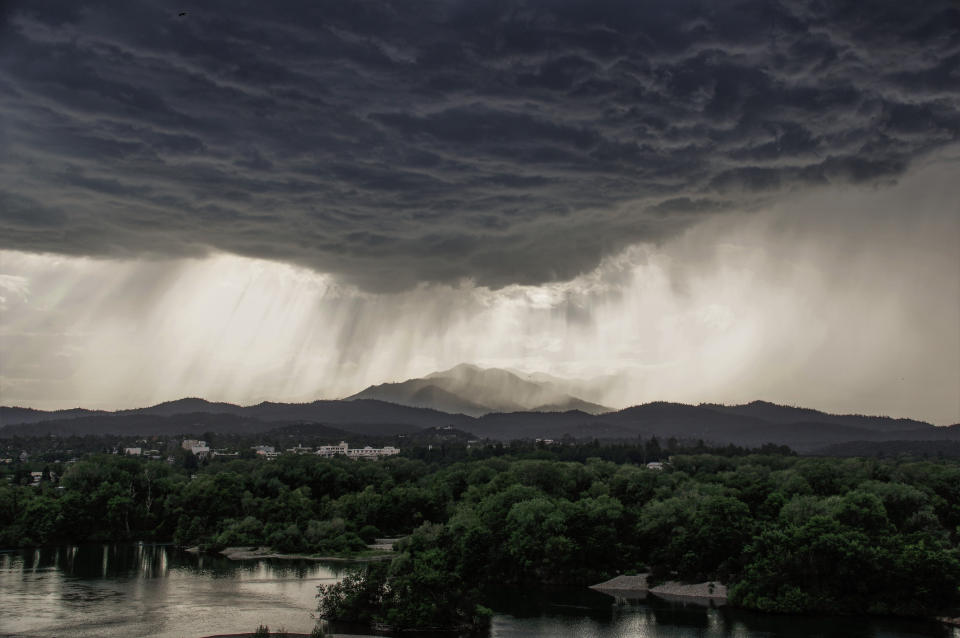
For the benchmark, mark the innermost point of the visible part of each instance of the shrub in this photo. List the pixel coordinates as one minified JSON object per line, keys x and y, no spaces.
{"x":368,"y":533}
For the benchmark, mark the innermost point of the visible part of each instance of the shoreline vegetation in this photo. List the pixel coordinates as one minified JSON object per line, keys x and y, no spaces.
{"x":783,"y":533}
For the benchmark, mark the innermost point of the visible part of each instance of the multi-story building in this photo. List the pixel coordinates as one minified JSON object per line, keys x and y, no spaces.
{"x":365,"y":452}
{"x":368,"y":452}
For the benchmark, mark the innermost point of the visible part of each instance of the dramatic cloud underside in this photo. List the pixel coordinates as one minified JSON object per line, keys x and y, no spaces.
{"x":500,"y":142}
{"x":826,"y":300}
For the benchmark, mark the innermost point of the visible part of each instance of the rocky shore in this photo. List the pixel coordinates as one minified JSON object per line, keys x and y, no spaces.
{"x":710,"y":591}
{"x":251,"y":553}
{"x":248,"y":553}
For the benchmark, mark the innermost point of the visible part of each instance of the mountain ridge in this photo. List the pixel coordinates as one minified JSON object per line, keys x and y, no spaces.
{"x":374,"y":417}
{"x":511,"y":405}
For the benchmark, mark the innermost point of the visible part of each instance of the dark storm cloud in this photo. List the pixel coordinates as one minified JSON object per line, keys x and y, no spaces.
{"x":392,"y":143}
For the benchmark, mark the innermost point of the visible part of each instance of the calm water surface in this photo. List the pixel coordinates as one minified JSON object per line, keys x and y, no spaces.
{"x":134,"y":590}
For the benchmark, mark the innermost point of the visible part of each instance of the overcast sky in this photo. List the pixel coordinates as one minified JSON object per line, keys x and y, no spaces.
{"x":710,"y":201}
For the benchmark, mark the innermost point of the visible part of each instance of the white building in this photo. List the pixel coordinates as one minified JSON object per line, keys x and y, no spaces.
{"x":189,"y":444}
{"x":368,"y":452}
{"x":365,"y":452}
{"x":332,"y":450}
{"x":132,"y":451}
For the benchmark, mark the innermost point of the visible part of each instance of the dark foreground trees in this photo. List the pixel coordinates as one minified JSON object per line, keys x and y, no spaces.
{"x":849,"y":564}
{"x":419,"y":589}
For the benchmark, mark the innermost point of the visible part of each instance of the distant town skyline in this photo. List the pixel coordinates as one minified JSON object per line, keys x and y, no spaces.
{"x":699,"y":202}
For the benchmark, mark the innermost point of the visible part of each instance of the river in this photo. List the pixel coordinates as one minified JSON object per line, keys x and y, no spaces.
{"x":131,"y":590}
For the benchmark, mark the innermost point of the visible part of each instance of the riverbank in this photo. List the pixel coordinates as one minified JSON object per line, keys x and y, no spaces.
{"x":253,"y":553}
{"x":290,"y":635}
{"x":709,"y":591}
{"x":636,"y":586}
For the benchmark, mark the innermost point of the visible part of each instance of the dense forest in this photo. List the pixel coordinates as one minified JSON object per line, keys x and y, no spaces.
{"x":787,"y":533}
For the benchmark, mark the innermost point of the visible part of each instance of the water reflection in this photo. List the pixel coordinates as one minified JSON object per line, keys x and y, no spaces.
{"x":572,"y":614}
{"x":159,"y":590}
{"x":152,"y":590}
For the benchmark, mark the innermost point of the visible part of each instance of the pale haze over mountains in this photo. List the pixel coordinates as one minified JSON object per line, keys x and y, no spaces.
{"x":472,"y":390}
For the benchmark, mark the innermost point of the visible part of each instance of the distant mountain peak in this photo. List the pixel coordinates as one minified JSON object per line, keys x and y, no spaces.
{"x":460,"y":367}
{"x":473,"y":390}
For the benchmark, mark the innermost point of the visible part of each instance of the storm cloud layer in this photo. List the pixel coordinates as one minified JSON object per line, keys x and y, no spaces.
{"x":828,"y":300}
{"x":398,"y":143}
